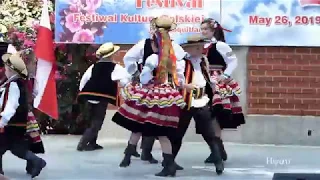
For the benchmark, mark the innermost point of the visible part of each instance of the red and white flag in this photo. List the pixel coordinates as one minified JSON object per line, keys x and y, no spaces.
{"x":45,"y":83}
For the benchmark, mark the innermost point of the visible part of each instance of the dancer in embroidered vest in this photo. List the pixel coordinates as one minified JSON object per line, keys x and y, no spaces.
{"x":14,"y":114}
{"x":153,"y":107}
{"x":33,"y":129}
{"x":225,"y":97}
{"x":197,"y":77}
{"x":99,"y":93}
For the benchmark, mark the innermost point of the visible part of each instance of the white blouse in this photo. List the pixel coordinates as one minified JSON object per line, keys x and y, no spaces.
{"x":198,"y":78}
{"x":13,"y":96}
{"x":228,"y":55}
{"x":12,"y":103}
{"x":135,"y":54}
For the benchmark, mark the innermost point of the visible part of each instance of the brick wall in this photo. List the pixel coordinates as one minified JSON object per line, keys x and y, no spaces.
{"x":284,"y":80}
{"x":281,"y":80}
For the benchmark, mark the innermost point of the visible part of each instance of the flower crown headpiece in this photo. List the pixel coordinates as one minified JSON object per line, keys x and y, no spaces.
{"x":215,"y":24}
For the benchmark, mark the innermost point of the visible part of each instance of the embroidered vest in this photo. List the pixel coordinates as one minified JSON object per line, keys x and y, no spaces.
{"x":214,"y":57}
{"x":188,"y":73}
{"x":20,"y":117}
{"x":100,"y":86}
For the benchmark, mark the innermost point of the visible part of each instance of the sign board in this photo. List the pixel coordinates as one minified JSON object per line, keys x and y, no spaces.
{"x":252,"y":22}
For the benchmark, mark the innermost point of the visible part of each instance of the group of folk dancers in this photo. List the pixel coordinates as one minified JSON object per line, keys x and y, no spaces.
{"x":164,"y":85}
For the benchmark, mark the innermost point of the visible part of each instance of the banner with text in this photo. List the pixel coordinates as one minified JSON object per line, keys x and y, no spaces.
{"x":272,"y":22}
{"x":253,"y":22}
{"x":127,"y":21}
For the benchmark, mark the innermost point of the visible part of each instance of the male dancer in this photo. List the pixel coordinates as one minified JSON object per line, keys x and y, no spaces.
{"x":14,"y":114}
{"x":197,"y":77}
{"x":33,"y":129}
{"x":97,"y":87}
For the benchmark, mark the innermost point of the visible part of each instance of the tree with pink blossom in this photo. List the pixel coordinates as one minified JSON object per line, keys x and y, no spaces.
{"x":80,"y":31}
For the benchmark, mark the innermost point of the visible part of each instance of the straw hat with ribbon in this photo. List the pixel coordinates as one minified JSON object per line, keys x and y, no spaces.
{"x":164,"y":22}
{"x":106,"y":50}
{"x":194,"y":40}
{"x":16,"y":63}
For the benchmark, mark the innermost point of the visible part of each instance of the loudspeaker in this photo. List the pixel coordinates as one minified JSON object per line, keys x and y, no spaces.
{"x":295,"y":176}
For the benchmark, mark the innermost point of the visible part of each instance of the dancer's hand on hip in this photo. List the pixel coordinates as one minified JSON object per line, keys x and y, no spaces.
{"x":189,"y":87}
{"x":223,"y":78}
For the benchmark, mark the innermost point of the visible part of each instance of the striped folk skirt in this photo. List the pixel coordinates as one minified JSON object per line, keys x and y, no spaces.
{"x":153,"y":110}
{"x":225,"y":100}
{"x":33,"y":133}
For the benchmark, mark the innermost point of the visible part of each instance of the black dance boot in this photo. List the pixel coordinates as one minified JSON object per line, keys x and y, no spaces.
{"x":223,"y":153}
{"x":222,"y":150}
{"x":178,"y":167}
{"x":130,"y":150}
{"x":146,"y":146}
{"x":1,"y":170}
{"x":215,"y":156}
{"x":94,"y":144}
{"x":82,"y":144}
{"x":85,"y":145}
{"x":147,"y":156}
{"x":37,"y":164}
{"x":136,"y":154}
{"x":29,"y":167}
{"x":209,"y":159}
{"x":169,"y":167}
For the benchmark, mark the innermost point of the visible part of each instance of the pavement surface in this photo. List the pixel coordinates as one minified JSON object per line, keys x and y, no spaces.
{"x":246,"y":162}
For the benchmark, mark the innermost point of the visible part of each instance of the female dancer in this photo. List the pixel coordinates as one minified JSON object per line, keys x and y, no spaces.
{"x":33,"y":129}
{"x":225,"y":98}
{"x":153,"y":108}
{"x":139,"y":53}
